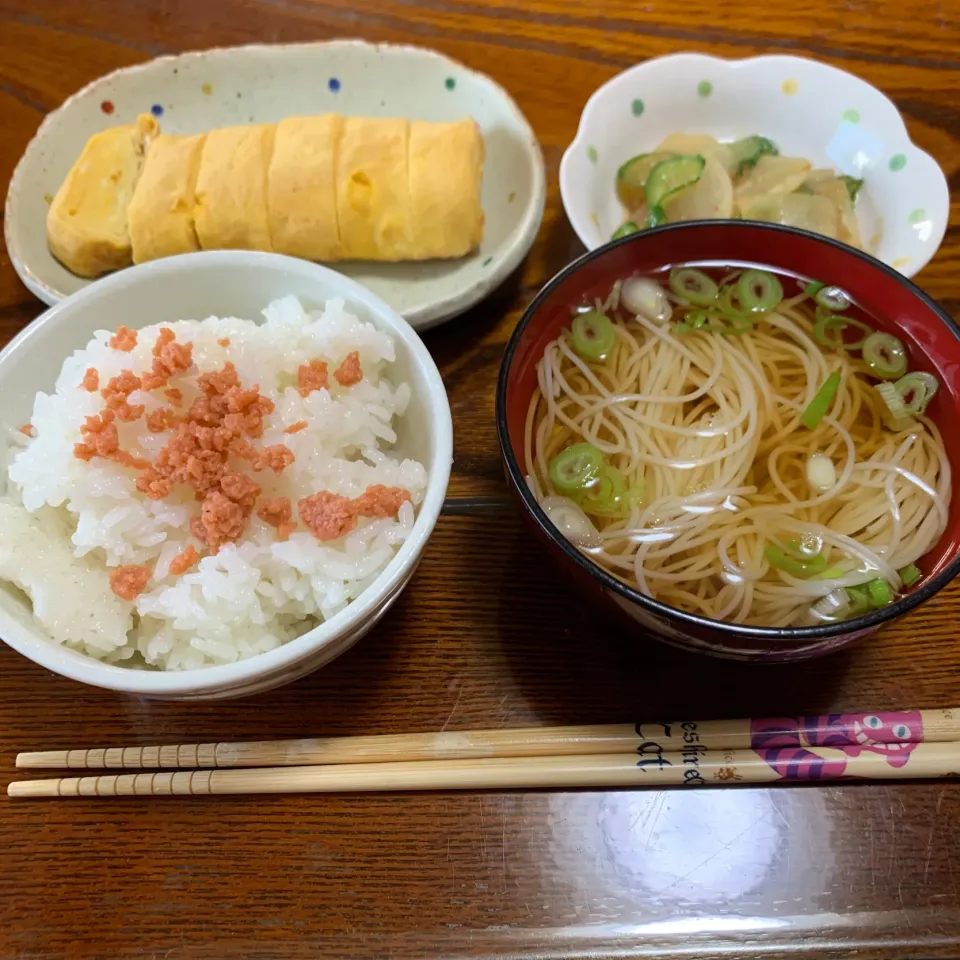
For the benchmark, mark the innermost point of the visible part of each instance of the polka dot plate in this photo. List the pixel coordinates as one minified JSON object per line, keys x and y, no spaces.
{"x":194,"y":92}
{"x":808,"y":109}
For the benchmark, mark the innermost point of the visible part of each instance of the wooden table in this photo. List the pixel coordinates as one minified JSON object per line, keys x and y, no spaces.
{"x":482,"y":637}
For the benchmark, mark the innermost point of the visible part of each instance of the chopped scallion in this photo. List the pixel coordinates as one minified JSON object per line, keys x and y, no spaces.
{"x":576,"y":468}
{"x":879,"y":593}
{"x":830,"y":330}
{"x":822,"y":401}
{"x":910,"y":574}
{"x":758,"y":291}
{"x":694,"y":286}
{"x":832,"y":298}
{"x":593,"y":335}
{"x":885,"y":355}
{"x":780,"y":559}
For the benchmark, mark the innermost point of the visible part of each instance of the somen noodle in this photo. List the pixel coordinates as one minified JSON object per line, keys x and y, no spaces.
{"x":734,"y":454}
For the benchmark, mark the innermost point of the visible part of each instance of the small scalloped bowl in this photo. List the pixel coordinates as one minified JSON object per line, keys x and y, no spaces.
{"x":808,"y":109}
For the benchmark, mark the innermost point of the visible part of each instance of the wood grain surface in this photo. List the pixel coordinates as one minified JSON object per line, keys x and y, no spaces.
{"x":482,"y":637}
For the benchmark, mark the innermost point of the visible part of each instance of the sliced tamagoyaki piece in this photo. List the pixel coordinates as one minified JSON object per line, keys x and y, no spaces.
{"x":231,"y":208}
{"x":302,"y":190}
{"x":87,"y":228}
{"x":162,"y":210}
{"x":446,"y":170}
{"x":373,"y":189}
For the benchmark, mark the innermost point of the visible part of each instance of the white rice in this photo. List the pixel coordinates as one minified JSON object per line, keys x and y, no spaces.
{"x":64,"y":522}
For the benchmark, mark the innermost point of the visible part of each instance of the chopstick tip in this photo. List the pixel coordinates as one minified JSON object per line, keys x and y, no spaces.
{"x":33,"y":788}
{"x":32,"y":759}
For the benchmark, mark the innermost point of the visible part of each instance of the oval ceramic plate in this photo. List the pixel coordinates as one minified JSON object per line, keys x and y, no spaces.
{"x":194,"y":92}
{"x":808,"y":109}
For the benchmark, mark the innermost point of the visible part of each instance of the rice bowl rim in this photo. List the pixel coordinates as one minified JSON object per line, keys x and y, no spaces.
{"x":221,"y":678}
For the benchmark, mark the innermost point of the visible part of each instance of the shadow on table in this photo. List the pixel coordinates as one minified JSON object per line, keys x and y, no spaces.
{"x":575,"y":666}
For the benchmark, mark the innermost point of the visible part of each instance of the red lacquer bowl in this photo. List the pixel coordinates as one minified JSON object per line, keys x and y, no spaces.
{"x":894,"y":304}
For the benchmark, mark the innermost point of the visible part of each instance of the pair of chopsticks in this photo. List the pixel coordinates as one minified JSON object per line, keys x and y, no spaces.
{"x":880,"y":746}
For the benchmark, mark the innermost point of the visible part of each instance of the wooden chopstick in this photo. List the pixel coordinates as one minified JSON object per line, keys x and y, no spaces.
{"x":834,"y":730}
{"x":925,"y":760}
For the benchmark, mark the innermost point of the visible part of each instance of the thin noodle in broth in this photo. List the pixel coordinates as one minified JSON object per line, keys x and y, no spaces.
{"x":702,"y":432}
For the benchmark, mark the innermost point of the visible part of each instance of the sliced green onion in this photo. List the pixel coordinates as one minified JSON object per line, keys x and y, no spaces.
{"x":697,"y":319}
{"x":758,"y":291}
{"x":803,"y":548}
{"x":893,"y":400}
{"x":916,"y":389}
{"x":781,"y":560}
{"x":821,"y":402}
{"x":593,"y":335}
{"x":831,"y":608}
{"x":812,"y":287}
{"x":827,"y":322}
{"x":576,"y":468}
{"x":609,"y":496}
{"x":572,"y":522}
{"x":624,"y":230}
{"x":693,"y":286}
{"x":859,"y":601}
{"x":729,"y":303}
{"x":682,"y":329}
{"x":885,"y":355}
{"x":645,"y":298}
{"x":907,"y":398}
{"x":910,"y":574}
{"x":603,"y":489}
{"x":821,"y":472}
{"x":879,"y":593}
{"x":832,"y":298}
{"x":729,"y":325}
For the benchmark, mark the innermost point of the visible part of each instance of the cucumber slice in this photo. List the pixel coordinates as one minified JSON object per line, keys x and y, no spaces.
{"x":654,"y":218}
{"x":624,"y":230}
{"x":671,"y":176}
{"x":749,"y":150}
{"x":632,"y":176}
{"x":852,"y":184}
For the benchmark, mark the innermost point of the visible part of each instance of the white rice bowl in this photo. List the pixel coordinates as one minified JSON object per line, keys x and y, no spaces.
{"x":64,"y":522}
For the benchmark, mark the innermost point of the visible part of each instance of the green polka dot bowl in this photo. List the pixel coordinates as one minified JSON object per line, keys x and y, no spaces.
{"x":808,"y":109}
{"x":264,"y":83}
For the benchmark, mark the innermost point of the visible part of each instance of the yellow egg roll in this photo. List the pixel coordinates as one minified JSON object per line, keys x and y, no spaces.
{"x":446,"y":167}
{"x":301,"y":188}
{"x":87,"y":228}
{"x":373,"y":189}
{"x":162,"y":209}
{"x":231,"y":210}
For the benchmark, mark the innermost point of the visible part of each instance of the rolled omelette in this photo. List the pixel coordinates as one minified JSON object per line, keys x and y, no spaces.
{"x":301,"y":188}
{"x":446,"y":166}
{"x":323,"y":188}
{"x":87,"y":221}
{"x":161,"y":213}
{"x":231,"y":207}
{"x":373,"y":190}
